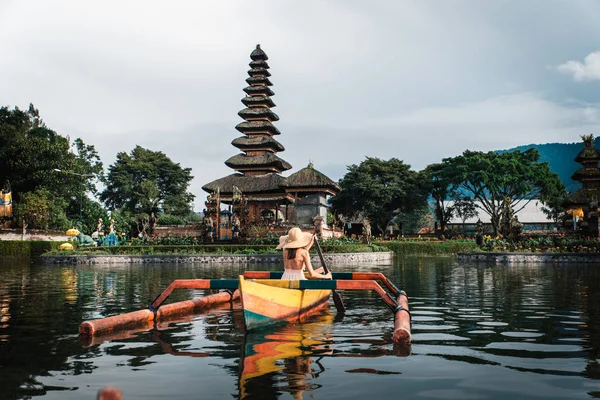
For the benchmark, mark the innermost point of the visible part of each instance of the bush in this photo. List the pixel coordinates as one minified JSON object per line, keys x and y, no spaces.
{"x":27,"y":248}
{"x":169,"y":219}
{"x":429,"y":247}
{"x":548,"y":243}
{"x":218,"y":249}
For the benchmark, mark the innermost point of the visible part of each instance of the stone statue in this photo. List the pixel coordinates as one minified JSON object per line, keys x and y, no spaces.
{"x":152,"y":221}
{"x":479,"y":234}
{"x":235,"y":227}
{"x":85,"y":240}
{"x":318,"y":225}
{"x":366,"y":231}
{"x":100,"y":227}
{"x":592,"y":217}
{"x":515,"y":228}
{"x":510,"y":227}
{"x":209,"y":228}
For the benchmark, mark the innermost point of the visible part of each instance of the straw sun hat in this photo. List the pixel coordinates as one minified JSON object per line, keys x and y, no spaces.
{"x":282,"y":242}
{"x":295,"y":239}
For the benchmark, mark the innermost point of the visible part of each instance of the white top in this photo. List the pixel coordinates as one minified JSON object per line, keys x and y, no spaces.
{"x":293,"y":275}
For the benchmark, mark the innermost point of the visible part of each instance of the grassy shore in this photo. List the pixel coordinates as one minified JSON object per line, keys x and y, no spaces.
{"x":429,"y":248}
{"x":34,"y":249}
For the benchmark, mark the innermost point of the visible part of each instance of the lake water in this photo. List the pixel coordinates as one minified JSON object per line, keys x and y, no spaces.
{"x":479,"y":332}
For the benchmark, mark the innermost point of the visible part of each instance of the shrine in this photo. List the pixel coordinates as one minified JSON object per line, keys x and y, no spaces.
{"x":257,"y":192}
{"x":583,"y":204}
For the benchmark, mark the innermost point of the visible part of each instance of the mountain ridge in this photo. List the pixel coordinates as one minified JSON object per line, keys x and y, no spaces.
{"x":560,"y":158}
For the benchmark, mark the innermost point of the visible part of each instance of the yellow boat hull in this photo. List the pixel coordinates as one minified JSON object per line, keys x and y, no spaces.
{"x":270,"y":302}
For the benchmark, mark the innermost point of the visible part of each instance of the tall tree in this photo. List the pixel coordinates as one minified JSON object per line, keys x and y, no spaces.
{"x":36,"y":159}
{"x":30,"y":152}
{"x":464,"y":208}
{"x":442,"y":182}
{"x":380,"y":190}
{"x":490,"y":177}
{"x":89,"y":165}
{"x":147,"y":181}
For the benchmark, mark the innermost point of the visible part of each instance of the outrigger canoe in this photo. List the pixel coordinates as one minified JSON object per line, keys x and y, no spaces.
{"x":271,"y":302}
{"x":266,"y":300}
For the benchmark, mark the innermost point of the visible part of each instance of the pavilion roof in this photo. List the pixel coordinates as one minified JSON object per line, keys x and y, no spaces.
{"x":309,"y":177}
{"x":269,"y":183}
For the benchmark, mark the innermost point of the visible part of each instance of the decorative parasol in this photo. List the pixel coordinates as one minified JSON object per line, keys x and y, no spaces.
{"x":66,"y":246}
{"x":578,"y":212}
{"x":72,"y":232}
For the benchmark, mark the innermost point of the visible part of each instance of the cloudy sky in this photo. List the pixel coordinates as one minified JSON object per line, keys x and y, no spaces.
{"x":417,"y":80}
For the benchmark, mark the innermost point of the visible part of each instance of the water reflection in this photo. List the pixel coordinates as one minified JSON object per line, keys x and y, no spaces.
{"x":284,"y":360}
{"x":288,"y":359}
{"x":475,"y":328}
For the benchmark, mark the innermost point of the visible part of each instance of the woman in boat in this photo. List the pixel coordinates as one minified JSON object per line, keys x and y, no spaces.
{"x":296,"y":258}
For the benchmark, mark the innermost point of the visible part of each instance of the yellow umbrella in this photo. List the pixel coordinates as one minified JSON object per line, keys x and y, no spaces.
{"x":72,"y":232}
{"x":66,"y":246}
{"x":578,"y":212}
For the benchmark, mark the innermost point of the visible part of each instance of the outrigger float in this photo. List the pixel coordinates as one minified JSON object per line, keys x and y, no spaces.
{"x":266,"y":300}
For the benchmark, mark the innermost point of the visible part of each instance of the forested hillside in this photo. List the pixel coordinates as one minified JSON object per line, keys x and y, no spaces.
{"x":561,"y":158}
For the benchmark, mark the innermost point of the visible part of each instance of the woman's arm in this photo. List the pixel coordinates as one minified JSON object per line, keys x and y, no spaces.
{"x":312,"y":273}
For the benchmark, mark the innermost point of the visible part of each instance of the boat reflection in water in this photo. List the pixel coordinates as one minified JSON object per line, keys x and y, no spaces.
{"x":289,"y":358}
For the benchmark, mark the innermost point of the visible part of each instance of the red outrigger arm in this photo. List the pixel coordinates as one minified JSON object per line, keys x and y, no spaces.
{"x":397,"y":301}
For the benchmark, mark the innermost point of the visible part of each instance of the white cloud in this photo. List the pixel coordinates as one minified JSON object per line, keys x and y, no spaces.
{"x":587,"y":70}
{"x":414,"y":79}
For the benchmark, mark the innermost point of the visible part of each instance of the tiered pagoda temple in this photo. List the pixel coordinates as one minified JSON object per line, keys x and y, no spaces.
{"x":583,"y":204}
{"x":258,"y":168}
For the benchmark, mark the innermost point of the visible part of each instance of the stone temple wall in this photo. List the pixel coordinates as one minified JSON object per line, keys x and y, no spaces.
{"x":529,"y":258}
{"x":102,"y":259}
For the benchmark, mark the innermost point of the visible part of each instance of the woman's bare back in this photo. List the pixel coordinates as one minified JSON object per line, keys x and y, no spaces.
{"x":296,"y":263}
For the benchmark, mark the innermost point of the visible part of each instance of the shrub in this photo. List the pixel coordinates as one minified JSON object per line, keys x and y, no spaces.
{"x":169,"y":219}
{"x":27,"y":248}
{"x":429,"y":247}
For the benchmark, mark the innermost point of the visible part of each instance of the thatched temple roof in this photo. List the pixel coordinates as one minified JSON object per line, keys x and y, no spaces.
{"x":586,"y":174}
{"x":258,"y":54}
{"x":270,"y":183}
{"x":309,"y":177}
{"x":259,"y":90}
{"x":252,"y":126}
{"x":258,"y":100}
{"x":589,"y":175}
{"x":267,"y":160}
{"x":262,"y":70}
{"x":258,"y":112}
{"x":260,"y":80}
{"x":583,"y":197}
{"x":588,"y":154}
{"x":246,"y":143}
{"x":258,"y":64}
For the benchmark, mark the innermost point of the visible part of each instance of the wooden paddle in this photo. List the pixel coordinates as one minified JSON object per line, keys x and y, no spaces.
{"x":337,"y":298}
